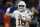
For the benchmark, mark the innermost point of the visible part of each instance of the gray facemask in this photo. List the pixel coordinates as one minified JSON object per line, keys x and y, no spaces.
{"x":20,"y":9}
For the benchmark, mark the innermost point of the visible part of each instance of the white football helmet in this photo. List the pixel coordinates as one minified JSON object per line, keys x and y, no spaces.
{"x":22,"y":3}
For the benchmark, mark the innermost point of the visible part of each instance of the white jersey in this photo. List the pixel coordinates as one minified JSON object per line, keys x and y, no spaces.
{"x":19,"y":22}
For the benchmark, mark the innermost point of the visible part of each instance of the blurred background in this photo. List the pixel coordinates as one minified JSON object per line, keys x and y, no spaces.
{"x":33,"y":5}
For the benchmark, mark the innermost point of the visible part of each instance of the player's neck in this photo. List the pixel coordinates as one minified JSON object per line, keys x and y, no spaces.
{"x":22,"y":11}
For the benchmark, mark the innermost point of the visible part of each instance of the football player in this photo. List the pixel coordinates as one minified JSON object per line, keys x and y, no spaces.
{"x":21,"y":15}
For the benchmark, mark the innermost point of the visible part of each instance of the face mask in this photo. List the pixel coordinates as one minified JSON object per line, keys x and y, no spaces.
{"x":20,"y":9}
